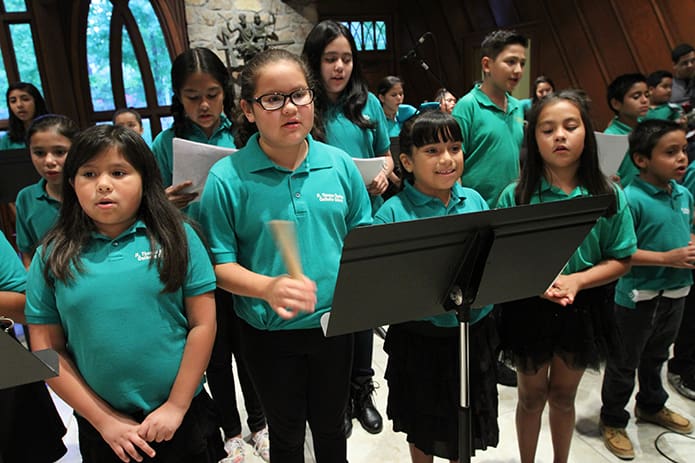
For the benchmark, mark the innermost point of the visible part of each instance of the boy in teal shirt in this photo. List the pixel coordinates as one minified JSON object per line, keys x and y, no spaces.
{"x":628,"y":98}
{"x":491,"y":120}
{"x":650,"y":298}
{"x":660,"y":84}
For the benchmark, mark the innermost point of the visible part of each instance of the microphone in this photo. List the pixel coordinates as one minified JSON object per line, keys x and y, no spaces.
{"x":422,"y":38}
{"x":413,"y":51}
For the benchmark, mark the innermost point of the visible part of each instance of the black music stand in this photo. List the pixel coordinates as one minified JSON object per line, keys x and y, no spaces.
{"x":16,"y":172}
{"x":23,"y":367}
{"x":411,"y":270}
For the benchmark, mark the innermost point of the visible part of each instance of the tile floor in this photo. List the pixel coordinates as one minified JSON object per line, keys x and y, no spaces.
{"x":389,"y":447}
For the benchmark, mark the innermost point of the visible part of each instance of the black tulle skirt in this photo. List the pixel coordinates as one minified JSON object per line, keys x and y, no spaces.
{"x":423,"y":379}
{"x":583,"y":334}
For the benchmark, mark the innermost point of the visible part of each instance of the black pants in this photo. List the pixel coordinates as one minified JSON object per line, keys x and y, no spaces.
{"x":301,"y":376}
{"x":683,"y":361}
{"x":646,"y":332}
{"x":220,"y":376}
{"x":362,"y":356}
{"x":196,"y":441}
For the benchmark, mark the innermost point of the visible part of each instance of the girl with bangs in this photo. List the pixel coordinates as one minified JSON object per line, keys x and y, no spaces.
{"x":432,"y":162}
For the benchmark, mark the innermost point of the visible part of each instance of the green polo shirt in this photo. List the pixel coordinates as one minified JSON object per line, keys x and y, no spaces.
{"x":163,"y":150}
{"x":666,"y":111}
{"x":491,"y":142}
{"x":411,"y":204}
{"x":689,"y":179}
{"x":356,"y":141}
{"x":36,"y":214}
{"x":663,"y":221}
{"x":405,"y":112}
{"x":7,"y":144}
{"x":125,"y":335}
{"x":13,"y":276}
{"x":611,"y":238}
{"x":325,"y":197}
{"x":627,"y":171}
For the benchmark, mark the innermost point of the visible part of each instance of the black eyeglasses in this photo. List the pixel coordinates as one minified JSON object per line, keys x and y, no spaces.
{"x":274,"y":101}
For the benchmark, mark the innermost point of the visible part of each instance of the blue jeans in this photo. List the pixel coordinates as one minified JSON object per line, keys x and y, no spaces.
{"x":646,"y":333}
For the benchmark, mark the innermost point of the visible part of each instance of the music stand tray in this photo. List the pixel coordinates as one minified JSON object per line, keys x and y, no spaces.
{"x":16,"y":172}
{"x":407,"y":271}
{"x":23,"y":367}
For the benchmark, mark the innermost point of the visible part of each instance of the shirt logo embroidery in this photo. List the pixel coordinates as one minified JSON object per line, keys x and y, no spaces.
{"x":147,"y":255}
{"x":685,"y":210}
{"x":330,"y":197}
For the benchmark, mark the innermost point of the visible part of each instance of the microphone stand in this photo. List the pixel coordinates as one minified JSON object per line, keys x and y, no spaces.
{"x":414,"y":56}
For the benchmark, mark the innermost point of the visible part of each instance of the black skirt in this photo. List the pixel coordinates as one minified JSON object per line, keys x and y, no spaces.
{"x":583,"y":334}
{"x":423,"y":379}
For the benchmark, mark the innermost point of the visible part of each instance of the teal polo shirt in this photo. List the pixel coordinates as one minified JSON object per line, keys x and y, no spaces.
{"x":627,"y":171}
{"x":405,"y":112}
{"x":663,"y":221}
{"x":491,"y":142}
{"x":163,"y":148}
{"x":666,"y":111}
{"x":7,"y":144}
{"x":689,"y":179}
{"x":325,"y":197}
{"x":611,"y":238}
{"x":411,"y":204}
{"x":36,"y":214}
{"x":125,"y":335}
{"x":356,"y":141}
{"x":13,"y":276}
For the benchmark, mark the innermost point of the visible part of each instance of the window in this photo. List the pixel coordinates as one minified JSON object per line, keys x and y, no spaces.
{"x":369,"y":35}
{"x":16,"y":32}
{"x":128,"y":62}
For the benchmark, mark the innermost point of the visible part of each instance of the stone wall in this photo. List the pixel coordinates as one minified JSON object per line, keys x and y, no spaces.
{"x":206,"y":19}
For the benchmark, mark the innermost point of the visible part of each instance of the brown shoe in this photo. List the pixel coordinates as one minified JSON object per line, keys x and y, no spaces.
{"x":666,"y":418}
{"x":616,"y":440}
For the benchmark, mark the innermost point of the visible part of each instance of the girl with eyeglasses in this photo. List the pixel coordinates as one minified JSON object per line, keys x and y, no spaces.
{"x":283,"y":173}
{"x":352,"y":119}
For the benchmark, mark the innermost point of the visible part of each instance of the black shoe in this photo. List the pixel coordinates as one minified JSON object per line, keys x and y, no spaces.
{"x":505,"y":375}
{"x":364,"y":409}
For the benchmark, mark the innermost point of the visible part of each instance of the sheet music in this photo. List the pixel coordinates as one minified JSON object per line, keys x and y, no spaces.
{"x":193,"y":160}
{"x":611,"y":151}
{"x":369,"y":168}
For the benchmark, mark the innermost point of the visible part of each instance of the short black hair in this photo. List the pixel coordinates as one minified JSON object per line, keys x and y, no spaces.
{"x":656,"y":77}
{"x":620,"y":86}
{"x":680,"y":50}
{"x":493,"y":43}
{"x":647,"y":134}
{"x":132,"y":111}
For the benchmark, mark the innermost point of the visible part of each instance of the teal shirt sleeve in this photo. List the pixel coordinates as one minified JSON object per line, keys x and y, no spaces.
{"x":463,"y":113}
{"x":26,"y":239}
{"x":13,"y":277}
{"x":200,"y":278}
{"x":163,"y":150}
{"x":382,"y":142}
{"x":41,"y":307}
{"x":506,"y":198}
{"x":219,"y":228}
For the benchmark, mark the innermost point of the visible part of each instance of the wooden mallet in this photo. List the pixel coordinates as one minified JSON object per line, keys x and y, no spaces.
{"x":286,"y":240}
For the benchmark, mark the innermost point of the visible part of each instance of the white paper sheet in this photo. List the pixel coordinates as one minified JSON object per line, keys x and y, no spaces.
{"x":193,"y":160}
{"x":611,"y":151}
{"x":369,"y":168}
